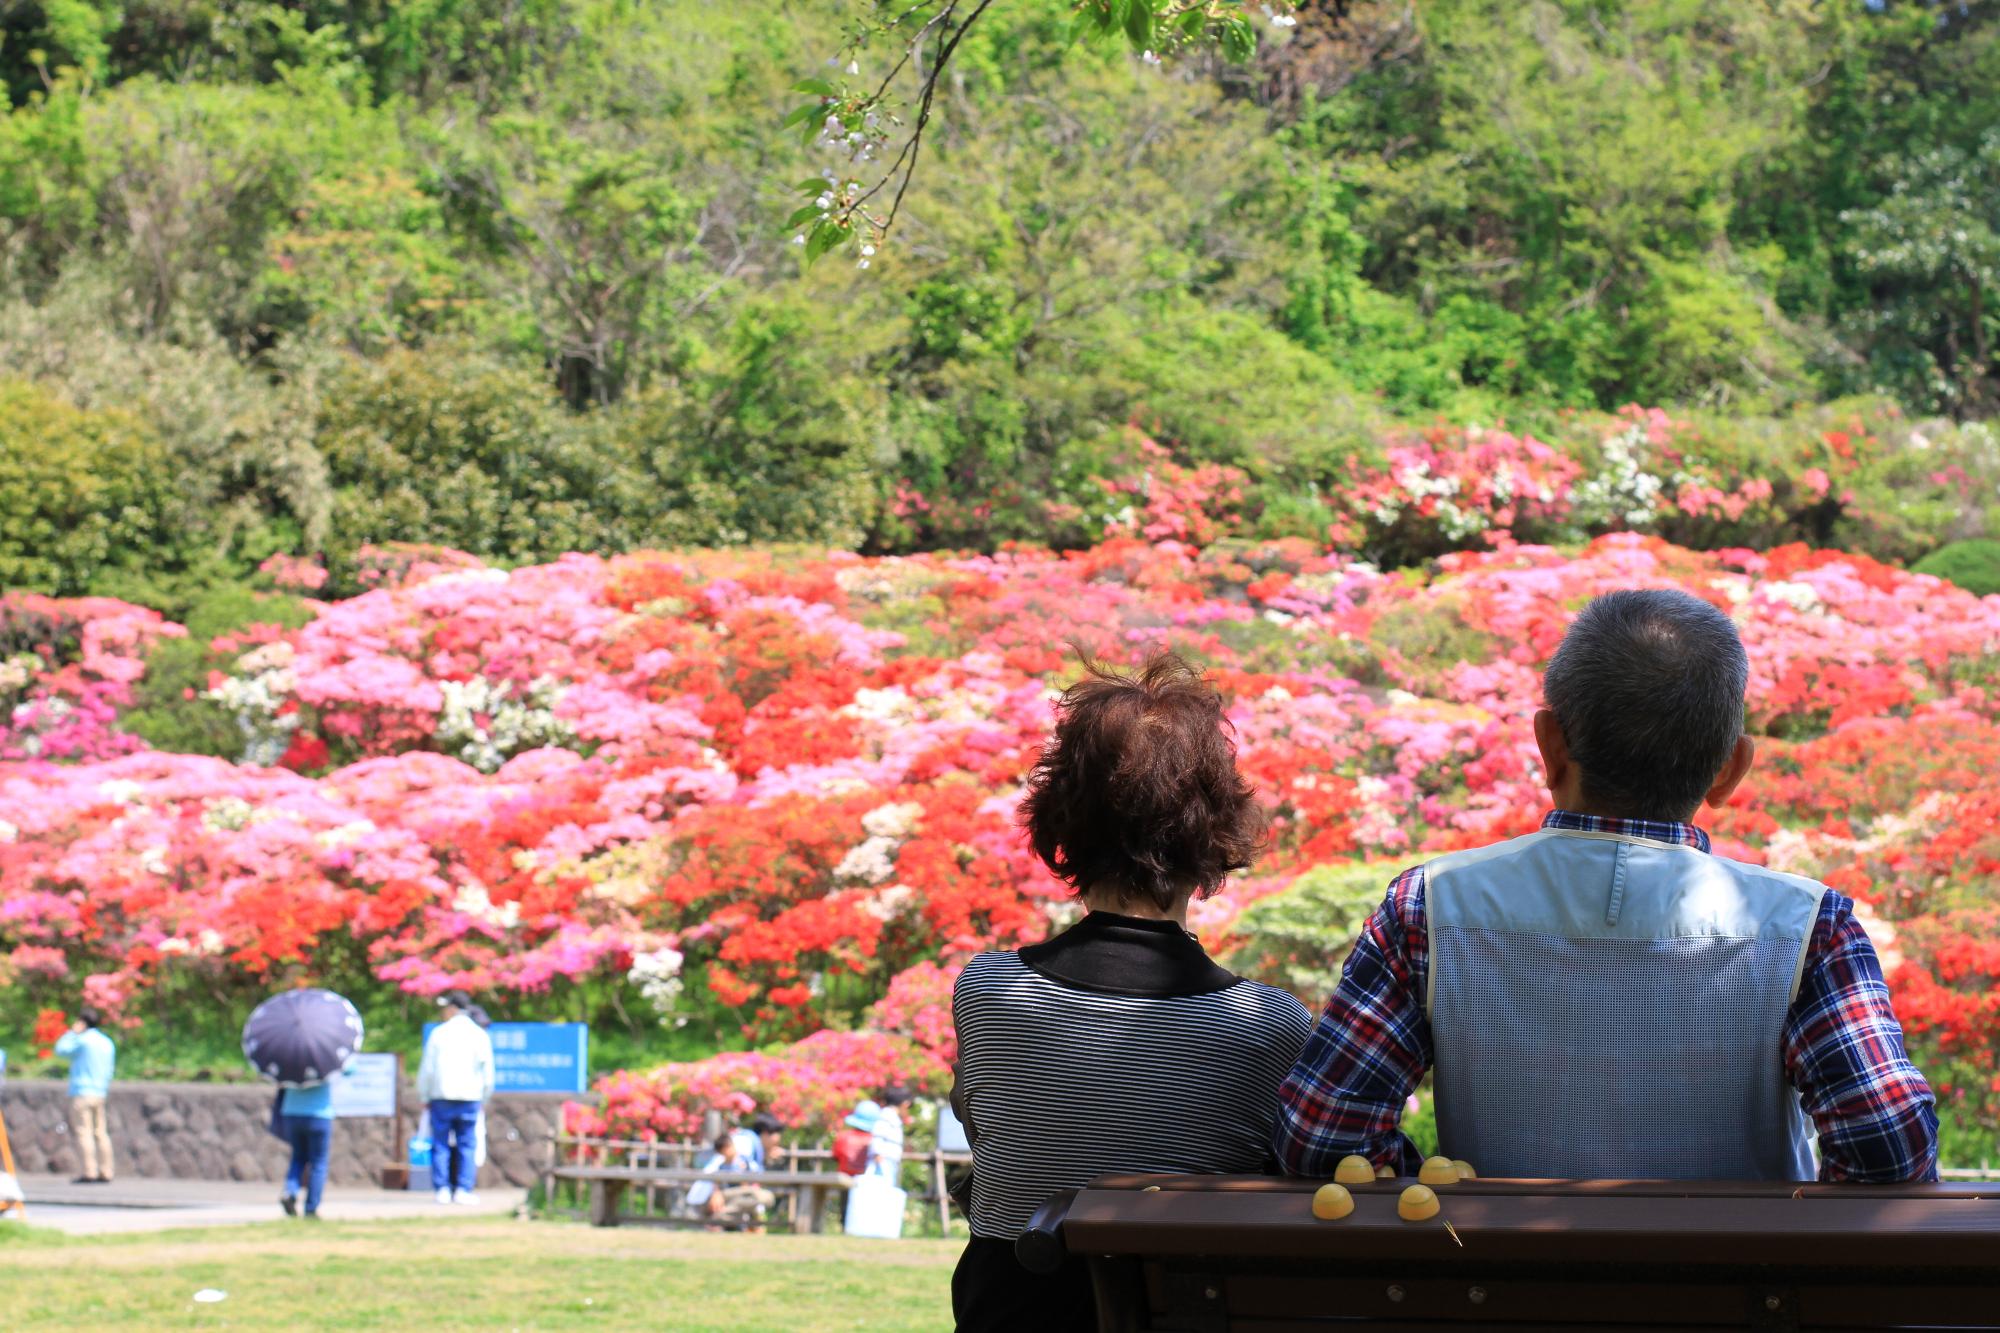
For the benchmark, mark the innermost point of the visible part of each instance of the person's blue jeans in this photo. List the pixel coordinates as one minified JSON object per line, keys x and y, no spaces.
{"x":452,"y":1126}
{"x":312,"y":1148}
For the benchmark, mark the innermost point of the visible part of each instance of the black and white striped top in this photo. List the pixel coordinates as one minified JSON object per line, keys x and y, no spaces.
{"x":1117,"y":1046}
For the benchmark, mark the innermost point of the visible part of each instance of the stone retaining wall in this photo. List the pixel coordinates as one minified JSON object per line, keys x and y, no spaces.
{"x":215,"y":1131}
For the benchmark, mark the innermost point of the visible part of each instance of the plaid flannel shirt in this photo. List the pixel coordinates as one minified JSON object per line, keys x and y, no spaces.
{"x":1843,"y":1048}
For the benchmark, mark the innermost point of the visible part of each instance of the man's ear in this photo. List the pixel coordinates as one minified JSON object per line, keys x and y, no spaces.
{"x":1732,"y":774}
{"x":1549,"y":739}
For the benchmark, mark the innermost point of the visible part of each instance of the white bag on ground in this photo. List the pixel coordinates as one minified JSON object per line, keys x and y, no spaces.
{"x":875,"y":1208}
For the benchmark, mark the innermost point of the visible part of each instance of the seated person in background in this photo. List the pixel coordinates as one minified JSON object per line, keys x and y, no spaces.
{"x":732,"y":1207}
{"x":757,"y":1142}
{"x":857,"y":1133}
{"x":885,"y":1136}
{"x":1606,"y":998}
{"x":1118,"y":1045}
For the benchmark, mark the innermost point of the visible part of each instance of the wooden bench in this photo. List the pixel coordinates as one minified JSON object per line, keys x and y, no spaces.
{"x":808,"y":1190}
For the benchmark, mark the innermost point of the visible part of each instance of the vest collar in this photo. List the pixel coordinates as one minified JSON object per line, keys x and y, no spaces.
{"x":1127,"y":955}
{"x":1669,"y":831}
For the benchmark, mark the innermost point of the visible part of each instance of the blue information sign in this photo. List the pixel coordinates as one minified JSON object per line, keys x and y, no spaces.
{"x":950,"y":1133}
{"x":367,"y":1087}
{"x":538,"y":1057}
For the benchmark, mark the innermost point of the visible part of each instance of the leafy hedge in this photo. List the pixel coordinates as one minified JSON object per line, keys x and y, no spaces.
{"x":80,"y":492}
{"x":1297,"y":937}
{"x":1972,"y":565}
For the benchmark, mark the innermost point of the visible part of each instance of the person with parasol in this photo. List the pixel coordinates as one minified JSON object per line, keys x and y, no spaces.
{"x":300,"y":1040}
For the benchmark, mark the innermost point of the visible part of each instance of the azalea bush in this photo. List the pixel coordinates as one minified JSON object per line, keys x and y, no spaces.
{"x":1948,"y":995}
{"x":772,"y":795}
{"x":67,"y":668}
{"x":808,"y":1084}
{"x":1858,"y":476}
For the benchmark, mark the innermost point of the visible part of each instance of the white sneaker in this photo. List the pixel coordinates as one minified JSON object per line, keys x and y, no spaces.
{"x":444,"y":1196}
{"x":466,"y":1199}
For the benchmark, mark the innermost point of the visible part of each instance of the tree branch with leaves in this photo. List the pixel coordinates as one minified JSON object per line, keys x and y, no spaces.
{"x":874,"y":137}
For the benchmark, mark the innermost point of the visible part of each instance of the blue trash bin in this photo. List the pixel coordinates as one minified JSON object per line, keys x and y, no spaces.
{"x":420,"y":1162}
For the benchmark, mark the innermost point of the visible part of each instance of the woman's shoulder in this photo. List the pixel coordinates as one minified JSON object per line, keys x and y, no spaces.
{"x":991,"y":964}
{"x":1279,"y":1005}
{"x":985,"y":976}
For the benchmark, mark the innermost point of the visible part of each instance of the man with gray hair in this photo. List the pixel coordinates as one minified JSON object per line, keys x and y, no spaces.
{"x":1606,"y":997}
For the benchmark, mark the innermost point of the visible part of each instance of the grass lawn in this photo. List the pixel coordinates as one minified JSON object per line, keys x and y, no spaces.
{"x":478,"y":1274}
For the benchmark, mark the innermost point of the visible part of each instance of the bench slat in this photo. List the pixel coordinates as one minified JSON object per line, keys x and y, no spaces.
{"x":686,"y":1175}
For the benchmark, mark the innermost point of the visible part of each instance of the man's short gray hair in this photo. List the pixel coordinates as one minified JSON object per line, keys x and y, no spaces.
{"x":1648,"y":689}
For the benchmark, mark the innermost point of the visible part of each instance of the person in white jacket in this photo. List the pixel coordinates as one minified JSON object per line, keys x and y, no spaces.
{"x":885,"y":1142}
{"x":455,"y":1077}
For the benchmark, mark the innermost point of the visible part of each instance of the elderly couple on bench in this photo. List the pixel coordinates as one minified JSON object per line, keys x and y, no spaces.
{"x":1603,"y":998}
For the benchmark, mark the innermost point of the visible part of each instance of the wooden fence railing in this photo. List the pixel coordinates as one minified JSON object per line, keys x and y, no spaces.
{"x":927,"y":1171}
{"x":930,"y":1191}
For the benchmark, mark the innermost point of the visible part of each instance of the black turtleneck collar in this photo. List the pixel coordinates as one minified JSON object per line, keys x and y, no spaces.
{"x":1128,"y":955}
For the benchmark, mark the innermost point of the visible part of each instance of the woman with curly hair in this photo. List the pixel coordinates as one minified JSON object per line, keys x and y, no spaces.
{"x":1118,"y":1045}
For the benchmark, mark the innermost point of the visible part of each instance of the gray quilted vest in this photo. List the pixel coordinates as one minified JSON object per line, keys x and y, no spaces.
{"x":1606,"y":1006}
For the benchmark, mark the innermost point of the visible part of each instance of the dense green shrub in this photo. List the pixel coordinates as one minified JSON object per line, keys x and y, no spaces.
{"x":79,"y":491}
{"x":366,"y":263}
{"x":246,"y":479}
{"x":168,"y":712}
{"x":464,"y":449}
{"x":1972,"y":565}
{"x":1940,"y":482}
{"x":1298,"y":938}
{"x":777,"y":440}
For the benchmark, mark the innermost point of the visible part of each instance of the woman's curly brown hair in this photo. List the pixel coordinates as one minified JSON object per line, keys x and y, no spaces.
{"x":1137,"y":791}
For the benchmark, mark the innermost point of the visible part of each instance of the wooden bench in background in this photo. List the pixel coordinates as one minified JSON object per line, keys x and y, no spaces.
{"x":613,"y":1172}
{"x":807,"y":1190}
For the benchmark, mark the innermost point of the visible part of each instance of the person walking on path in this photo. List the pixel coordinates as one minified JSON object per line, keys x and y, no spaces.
{"x":308,"y":1121}
{"x":455,"y":1078}
{"x":92,"y":1057}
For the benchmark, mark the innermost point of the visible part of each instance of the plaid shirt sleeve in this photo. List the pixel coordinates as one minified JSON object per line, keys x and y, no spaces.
{"x":1876,"y":1114}
{"x":1368,"y":1053}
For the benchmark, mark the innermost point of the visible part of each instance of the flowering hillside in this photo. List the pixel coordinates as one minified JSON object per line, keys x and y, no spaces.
{"x":786,"y":784}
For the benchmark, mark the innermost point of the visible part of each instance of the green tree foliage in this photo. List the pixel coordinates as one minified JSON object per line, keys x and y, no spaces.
{"x":471,"y":451}
{"x":1298,"y":937}
{"x":781,"y":443}
{"x":1039,"y":313}
{"x":244,"y":476}
{"x":507,"y":274}
{"x":367,"y":263}
{"x":600,"y":237}
{"x":1571,"y":167}
{"x":1933,"y":245}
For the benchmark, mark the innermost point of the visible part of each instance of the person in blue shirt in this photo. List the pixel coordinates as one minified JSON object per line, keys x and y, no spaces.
{"x":92,"y":1057}
{"x":757,"y":1142}
{"x":729,"y":1207}
{"x":308,"y":1114}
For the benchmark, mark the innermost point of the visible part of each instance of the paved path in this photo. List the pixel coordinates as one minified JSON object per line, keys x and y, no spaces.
{"x":160,"y":1205}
